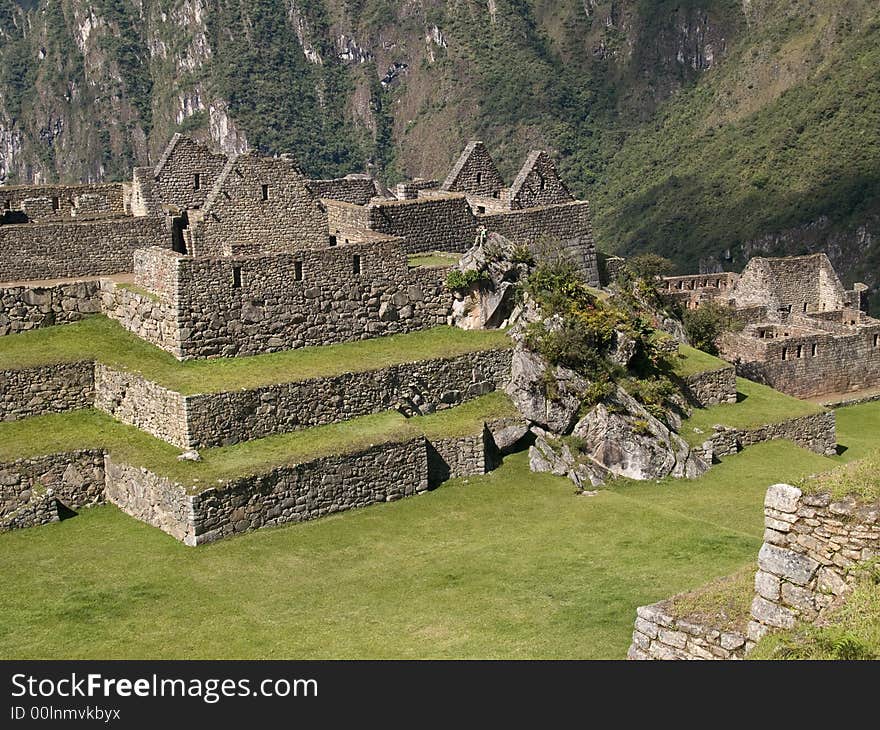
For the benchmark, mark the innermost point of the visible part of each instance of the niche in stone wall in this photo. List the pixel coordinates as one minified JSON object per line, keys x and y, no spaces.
{"x":236,"y":277}
{"x":356,"y":264}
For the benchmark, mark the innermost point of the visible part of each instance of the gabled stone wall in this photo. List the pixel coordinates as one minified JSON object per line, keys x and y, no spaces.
{"x":259,"y":205}
{"x":174,"y":178}
{"x":538,"y":184}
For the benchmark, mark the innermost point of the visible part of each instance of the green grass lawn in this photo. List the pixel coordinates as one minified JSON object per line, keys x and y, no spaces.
{"x":691,"y":361}
{"x":511,"y":565}
{"x":92,"y":429}
{"x":434,"y":259}
{"x":102,"y":339}
{"x":756,"y":405}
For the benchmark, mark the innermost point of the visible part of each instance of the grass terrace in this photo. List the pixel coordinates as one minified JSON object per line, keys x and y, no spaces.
{"x":691,"y":361}
{"x":756,"y":405}
{"x":102,"y":339}
{"x":724,"y":603}
{"x":434,"y":260}
{"x":92,"y":429}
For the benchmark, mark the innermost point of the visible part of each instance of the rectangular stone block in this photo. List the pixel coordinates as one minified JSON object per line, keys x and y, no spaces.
{"x":787,"y":564}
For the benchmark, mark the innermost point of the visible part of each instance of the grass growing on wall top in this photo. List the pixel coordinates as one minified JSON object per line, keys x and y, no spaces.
{"x":87,"y":429}
{"x":102,"y":339}
{"x":756,"y":406}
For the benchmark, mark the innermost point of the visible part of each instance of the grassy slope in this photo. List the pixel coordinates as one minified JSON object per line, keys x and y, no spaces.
{"x":512,"y":564}
{"x":691,"y":361}
{"x":92,"y":429}
{"x":99,"y":338}
{"x":508,"y":565}
{"x":783,"y":131}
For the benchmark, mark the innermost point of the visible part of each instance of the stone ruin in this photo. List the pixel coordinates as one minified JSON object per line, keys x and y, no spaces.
{"x":804,"y":333}
{"x":239,"y":255}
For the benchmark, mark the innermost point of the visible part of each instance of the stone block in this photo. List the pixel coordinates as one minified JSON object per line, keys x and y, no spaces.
{"x":792,"y":566}
{"x":772,"y":614}
{"x":767,"y":585}
{"x":782,"y":497}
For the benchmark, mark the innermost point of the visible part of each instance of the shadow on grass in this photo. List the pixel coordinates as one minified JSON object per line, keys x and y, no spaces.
{"x":841,"y":449}
{"x":740,"y":397}
{"x":64,"y":512}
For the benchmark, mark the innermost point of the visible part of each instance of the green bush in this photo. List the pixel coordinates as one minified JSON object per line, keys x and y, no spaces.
{"x":707,"y":323}
{"x":458,"y":280}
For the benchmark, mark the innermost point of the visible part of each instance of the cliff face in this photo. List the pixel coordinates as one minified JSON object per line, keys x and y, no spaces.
{"x":703,"y":129}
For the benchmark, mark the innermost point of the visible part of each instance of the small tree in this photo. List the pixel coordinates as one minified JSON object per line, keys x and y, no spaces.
{"x":705,"y":324}
{"x":649,"y":266}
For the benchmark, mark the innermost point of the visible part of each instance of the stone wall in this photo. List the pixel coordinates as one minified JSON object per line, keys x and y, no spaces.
{"x":474,"y":173}
{"x":151,"y":498}
{"x":222,"y":418}
{"x":149,"y":317}
{"x":810,"y":543}
{"x":249,"y":305}
{"x":65,"y":201}
{"x":31,"y":488}
{"x":538,"y":184}
{"x":813,"y":364}
{"x":661,"y":634}
{"x":710,"y":388}
{"x":354,"y":189}
{"x":259,"y":205}
{"x":815,"y":432}
{"x":46,"y":389}
{"x":441,"y":222}
{"x":174,"y":178}
{"x":315,"y":489}
{"x":72,"y":249}
{"x":28,"y":307}
{"x":136,"y":401}
{"x":567,"y":224}
{"x":461,"y":457}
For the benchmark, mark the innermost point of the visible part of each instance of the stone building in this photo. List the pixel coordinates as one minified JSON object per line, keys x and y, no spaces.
{"x":244,"y":254}
{"x":804,"y":333}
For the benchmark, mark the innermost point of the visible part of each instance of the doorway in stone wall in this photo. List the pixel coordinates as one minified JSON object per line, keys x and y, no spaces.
{"x":179,"y":223}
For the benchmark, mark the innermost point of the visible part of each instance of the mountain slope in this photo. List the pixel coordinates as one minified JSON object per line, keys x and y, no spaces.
{"x":707,"y":130}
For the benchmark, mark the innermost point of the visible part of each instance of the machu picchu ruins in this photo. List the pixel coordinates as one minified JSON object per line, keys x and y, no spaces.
{"x":223,"y":344}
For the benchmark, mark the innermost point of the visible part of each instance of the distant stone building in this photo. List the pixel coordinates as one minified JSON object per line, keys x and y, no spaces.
{"x":804,"y":333}
{"x":243,"y":254}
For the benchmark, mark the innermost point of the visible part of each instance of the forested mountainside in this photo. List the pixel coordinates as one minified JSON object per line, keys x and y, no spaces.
{"x":707,"y":130}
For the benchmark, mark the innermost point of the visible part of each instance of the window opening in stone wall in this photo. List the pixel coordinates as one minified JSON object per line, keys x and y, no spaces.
{"x":7,"y":205}
{"x":785,"y":353}
{"x":496,"y":194}
{"x":805,"y":306}
{"x":236,"y":277}
{"x":356,"y":264}
{"x":876,"y":340}
{"x":297,"y":270}
{"x":55,"y":204}
{"x":332,"y":240}
{"x":197,"y":181}
{"x":479,"y":178}
{"x":815,"y":349}
{"x":800,"y":351}
{"x":264,"y":190}
{"x":542,"y":183}
{"x":481,"y":209}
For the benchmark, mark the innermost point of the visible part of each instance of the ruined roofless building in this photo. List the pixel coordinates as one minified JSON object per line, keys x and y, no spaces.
{"x":242,"y":255}
{"x":804,"y":333}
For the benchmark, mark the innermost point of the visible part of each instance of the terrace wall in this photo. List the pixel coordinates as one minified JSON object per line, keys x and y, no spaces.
{"x":27,"y":307}
{"x":75,"y":248}
{"x":815,"y":432}
{"x":710,"y":388}
{"x":30,"y":489}
{"x":46,"y":389}
{"x":810,"y":544}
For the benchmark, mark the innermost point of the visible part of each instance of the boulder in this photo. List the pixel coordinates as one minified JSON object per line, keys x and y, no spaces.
{"x":550,"y":399}
{"x":625,"y":439}
{"x":623,"y":348}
